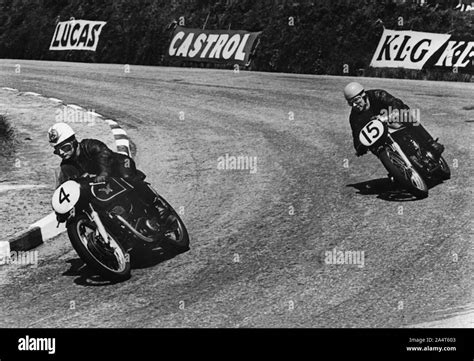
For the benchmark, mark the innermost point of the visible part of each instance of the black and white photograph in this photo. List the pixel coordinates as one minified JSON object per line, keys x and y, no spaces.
{"x":237,"y":164}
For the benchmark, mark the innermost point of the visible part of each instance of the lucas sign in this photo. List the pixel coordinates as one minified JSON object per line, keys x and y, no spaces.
{"x":77,"y":35}
{"x":418,"y":50}
{"x":216,"y":46}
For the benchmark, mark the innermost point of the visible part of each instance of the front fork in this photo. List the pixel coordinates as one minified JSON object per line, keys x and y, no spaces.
{"x":94,"y":216}
{"x":400,"y":152}
{"x":410,"y":172}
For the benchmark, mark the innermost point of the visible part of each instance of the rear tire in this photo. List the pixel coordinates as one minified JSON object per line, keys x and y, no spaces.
{"x":407,"y":177}
{"x":444,"y":172}
{"x":181,"y":244}
{"x":78,"y":241}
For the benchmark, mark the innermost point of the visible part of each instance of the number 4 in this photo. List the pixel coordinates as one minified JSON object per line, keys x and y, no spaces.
{"x":63,"y":196}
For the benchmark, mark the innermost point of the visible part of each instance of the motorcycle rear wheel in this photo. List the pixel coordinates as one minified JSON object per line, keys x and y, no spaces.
{"x":444,"y":172}
{"x":176,"y":236}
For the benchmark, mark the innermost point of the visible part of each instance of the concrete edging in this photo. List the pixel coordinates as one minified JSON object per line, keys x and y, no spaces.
{"x":46,"y":228}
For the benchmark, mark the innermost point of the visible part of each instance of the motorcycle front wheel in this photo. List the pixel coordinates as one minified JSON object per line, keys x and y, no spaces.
{"x":110,"y":260}
{"x":406,"y":176}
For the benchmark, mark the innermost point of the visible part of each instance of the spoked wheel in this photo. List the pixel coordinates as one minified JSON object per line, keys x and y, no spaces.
{"x":444,"y":172}
{"x":174,"y":234}
{"x":107,"y":258}
{"x":405,"y":175}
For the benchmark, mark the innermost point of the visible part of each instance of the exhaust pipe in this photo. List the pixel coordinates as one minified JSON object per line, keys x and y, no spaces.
{"x":134,"y":231}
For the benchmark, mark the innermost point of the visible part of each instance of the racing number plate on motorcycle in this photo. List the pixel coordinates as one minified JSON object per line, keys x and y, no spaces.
{"x":371,"y":132}
{"x":66,"y":197}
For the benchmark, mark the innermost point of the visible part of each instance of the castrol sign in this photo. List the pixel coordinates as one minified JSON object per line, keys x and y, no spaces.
{"x":76,"y":35}
{"x":216,"y":46}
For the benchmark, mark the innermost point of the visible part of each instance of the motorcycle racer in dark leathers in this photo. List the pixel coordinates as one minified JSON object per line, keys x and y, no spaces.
{"x":91,"y":156}
{"x":367,"y":104}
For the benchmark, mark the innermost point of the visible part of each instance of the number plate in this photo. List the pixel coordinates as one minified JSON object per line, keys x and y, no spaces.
{"x":371,"y":132}
{"x":66,"y":197}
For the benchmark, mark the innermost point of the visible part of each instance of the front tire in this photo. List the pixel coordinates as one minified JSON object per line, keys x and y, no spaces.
{"x":112,"y":262}
{"x":406,"y":176}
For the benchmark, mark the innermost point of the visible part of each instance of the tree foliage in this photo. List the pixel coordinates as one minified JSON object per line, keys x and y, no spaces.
{"x":317,"y":37}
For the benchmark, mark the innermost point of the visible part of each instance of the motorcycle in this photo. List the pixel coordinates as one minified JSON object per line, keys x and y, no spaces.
{"x":106,"y":221}
{"x":408,"y":160}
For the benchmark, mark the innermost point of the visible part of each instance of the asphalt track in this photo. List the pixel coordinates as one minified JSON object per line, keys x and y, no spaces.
{"x":259,"y":239}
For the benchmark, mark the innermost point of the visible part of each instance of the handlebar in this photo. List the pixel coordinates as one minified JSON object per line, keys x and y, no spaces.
{"x":96,"y":184}
{"x":86,"y":179}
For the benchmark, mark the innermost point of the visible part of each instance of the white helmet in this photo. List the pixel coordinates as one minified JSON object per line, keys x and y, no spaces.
{"x":60,"y":132}
{"x":353,"y":89}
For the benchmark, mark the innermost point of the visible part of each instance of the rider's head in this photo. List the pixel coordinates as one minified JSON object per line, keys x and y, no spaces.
{"x":63,"y":139}
{"x":356,"y":96}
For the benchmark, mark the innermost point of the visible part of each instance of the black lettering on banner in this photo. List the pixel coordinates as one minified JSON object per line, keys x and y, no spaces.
{"x":423,"y":52}
{"x":55,"y":42}
{"x":75,"y":28}
{"x":65,"y":37}
{"x":84,"y":35}
{"x":446,"y":59}
{"x":402,"y":48}
{"x":94,"y":30}
{"x":386,"y":48}
{"x":420,"y":50}
{"x":77,"y":35}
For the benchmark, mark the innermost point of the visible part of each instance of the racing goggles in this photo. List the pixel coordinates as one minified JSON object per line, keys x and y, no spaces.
{"x":66,"y":147}
{"x":356,"y":99}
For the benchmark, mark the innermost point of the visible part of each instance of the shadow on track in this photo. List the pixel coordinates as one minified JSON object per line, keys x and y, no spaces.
{"x":86,"y":276}
{"x":384,"y":189}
